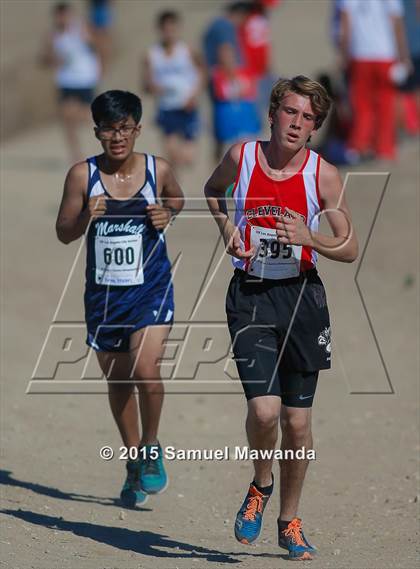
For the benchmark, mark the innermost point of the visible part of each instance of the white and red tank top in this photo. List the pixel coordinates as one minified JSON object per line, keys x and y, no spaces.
{"x":259,"y":200}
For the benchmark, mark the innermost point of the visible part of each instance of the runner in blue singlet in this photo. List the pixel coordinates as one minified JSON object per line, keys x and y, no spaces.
{"x":122,"y":201}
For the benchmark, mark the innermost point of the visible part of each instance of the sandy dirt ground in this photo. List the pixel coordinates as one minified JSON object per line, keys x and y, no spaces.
{"x":59,"y":507}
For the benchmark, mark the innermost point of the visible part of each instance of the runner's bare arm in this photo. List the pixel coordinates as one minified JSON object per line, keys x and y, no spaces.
{"x":47,"y":56}
{"x":214,"y":190}
{"x":344,"y":37}
{"x":74,"y":214}
{"x":198,"y":62}
{"x":170,"y":194}
{"x":216,"y":185}
{"x":342,"y":245}
{"x":148,"y":84}
{"x":401,"y":41}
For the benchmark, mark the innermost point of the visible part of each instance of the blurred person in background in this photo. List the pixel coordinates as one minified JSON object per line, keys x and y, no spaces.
{"x":333,"y":144}
{"x":101,"y":19}
{"x":410,"y":97}
{"x":234,"y":91}
{"x":173,"y":74}
{"x":373,"y":47}
{"x":70,"y":52}
{"x":255,"y":44}
{"x":335,"y":23}
{"x":223,"y":30}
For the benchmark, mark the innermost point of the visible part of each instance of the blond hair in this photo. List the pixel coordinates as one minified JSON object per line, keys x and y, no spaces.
{"x":302,"y":85}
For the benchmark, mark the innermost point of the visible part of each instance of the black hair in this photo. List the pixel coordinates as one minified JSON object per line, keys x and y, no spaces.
{"x":61,"y":7}
{"x":167,"y":16}
{"x":113,"y":106}
{"x":257,"y":7}
{"x":239,"y":7}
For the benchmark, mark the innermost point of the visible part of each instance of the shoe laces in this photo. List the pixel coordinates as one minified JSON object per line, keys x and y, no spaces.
{"x":151,"y":465}
{"x":294,"y":530}
{"x":132,"y":477}
{"x":255,"y":504}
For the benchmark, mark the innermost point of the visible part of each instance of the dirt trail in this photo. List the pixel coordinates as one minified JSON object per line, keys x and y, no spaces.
{"x":360,"y":497}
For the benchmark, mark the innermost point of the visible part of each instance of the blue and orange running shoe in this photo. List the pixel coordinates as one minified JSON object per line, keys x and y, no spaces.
{"x":131,"y":493}
{"x":249,"y":518}
{"x":153,"y":477}
{"x":293,"y":539}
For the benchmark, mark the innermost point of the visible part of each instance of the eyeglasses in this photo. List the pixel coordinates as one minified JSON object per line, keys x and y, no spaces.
{"x":107,"y":132}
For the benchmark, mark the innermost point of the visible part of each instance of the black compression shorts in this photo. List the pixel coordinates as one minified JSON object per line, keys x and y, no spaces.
{"x":281,"y":335}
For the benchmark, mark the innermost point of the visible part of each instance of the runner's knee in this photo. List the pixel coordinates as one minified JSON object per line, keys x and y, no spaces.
{"x":262,"y":415}
{"x":120,"y":387}
{"x":148,"y":380}
{"x":296,"y":425}
{"x":147,"y":372}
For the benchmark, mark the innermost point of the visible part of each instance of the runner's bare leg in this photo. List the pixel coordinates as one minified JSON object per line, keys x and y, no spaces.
{"x":122,"y":399}
{"x":149,"y":344}
{"x":262,"y":430}
{"x":296,"y":432}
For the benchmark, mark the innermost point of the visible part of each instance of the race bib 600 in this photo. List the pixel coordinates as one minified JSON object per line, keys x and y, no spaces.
{"x":119,"y":260}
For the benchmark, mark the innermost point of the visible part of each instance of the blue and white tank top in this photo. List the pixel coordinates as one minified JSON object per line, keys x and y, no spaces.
{"x":80,"y":68}
{"x":175,"y":73}
{"x":123,"y":247}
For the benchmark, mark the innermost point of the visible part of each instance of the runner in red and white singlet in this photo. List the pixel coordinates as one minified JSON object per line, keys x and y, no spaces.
{"x":276,"y":304}
{"x":260,"y":200}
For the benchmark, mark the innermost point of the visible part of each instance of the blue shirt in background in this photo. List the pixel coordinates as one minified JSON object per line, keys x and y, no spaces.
{"x":219,"y":32}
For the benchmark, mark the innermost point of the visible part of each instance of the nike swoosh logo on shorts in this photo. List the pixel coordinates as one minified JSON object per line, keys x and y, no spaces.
{"x":306,"y":396}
